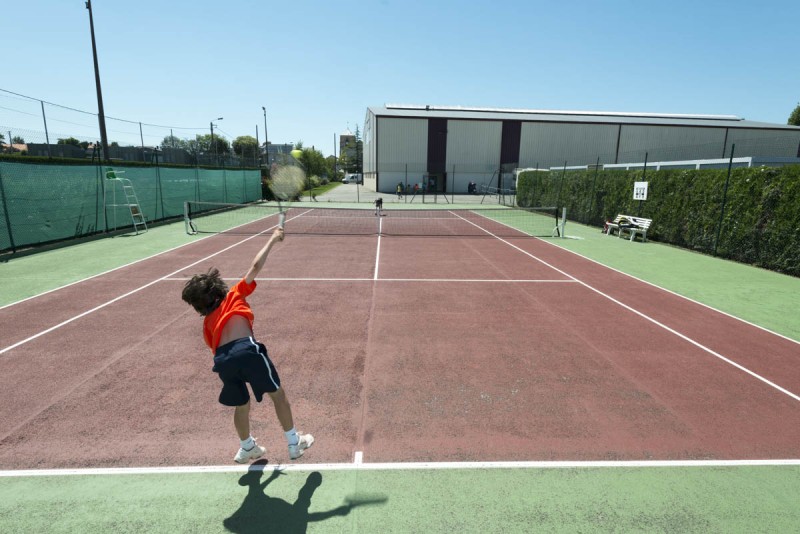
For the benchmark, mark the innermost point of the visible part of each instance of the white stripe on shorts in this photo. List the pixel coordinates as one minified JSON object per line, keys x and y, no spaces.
{"x":266,"y":363}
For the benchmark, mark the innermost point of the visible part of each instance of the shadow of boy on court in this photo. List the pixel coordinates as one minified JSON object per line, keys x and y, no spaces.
{"x":260,"y":513}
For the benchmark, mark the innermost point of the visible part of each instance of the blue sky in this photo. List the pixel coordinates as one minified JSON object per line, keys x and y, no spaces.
{"x":317,"y":65}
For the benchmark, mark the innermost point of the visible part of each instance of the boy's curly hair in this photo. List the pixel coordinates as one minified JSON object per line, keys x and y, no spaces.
{"x":204,"y":292}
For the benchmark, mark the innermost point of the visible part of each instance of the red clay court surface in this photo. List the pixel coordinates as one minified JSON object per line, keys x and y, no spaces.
{"x":404,"y":349}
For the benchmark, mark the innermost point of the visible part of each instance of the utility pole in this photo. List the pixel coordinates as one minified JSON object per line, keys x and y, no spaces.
{"x":266,"y":136}
{"x":214,"y":145}
{"x":101,"y":116}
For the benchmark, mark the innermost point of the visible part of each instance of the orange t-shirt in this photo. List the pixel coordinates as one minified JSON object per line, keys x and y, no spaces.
{"x":234,"y":303}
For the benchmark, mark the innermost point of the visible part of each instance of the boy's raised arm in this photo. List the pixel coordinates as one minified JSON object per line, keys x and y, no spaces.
{"x":261,"y":257}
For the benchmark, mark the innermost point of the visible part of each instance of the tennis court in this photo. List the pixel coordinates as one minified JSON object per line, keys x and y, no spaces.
{"x":438,"y":372}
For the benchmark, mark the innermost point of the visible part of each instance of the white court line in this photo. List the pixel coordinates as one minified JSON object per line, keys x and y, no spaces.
{"x":651,"y":284}
{"x":400,"y":466}
{"x":135,"y":262}
{"x":101,"y":274}
{"x":377,"y":253}
{"x":648,"y":318}
{"x":438,"y":280}
{"x":129,"y":293}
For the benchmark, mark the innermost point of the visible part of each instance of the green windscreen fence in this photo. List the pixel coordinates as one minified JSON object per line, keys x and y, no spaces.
{"x":42,"y":203}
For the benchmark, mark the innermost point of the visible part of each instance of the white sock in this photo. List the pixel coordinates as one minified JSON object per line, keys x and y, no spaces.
{"x":291,"y":437}
{"x":248,"y":443}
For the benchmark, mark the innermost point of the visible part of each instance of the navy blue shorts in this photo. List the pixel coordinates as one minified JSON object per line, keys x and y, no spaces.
{"x":240,"y":362}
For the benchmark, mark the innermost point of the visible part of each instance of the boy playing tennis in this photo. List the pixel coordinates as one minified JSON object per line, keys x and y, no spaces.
{"x":238,"y":358}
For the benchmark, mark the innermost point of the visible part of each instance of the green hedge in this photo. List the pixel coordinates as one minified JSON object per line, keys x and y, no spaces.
{"x":760,"y":224}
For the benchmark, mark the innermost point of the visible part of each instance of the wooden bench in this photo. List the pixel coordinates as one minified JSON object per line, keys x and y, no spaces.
{"x":628,"y":223}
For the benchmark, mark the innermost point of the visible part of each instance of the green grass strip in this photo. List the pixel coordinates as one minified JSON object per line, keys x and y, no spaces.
{"x":659,"y":499}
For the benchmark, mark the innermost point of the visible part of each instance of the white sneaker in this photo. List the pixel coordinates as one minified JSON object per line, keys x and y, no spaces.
{"x":296,"y":451}
{"x":244,"y":456}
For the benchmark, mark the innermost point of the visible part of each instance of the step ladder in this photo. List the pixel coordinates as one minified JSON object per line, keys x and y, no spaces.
{"x":131,"y":200}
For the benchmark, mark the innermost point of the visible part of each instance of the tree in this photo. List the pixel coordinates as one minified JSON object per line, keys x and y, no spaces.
{"x":246,"y":147}
{"x":315,"y":164}
{"x":794,"y":118}
{"x":350,"y":160}
{"x":221,"y":145}
{"x":171,"y":141}
{"x":359,"y":151}
{"x":332,"y":164}
{"x":193,"y":146}
{"x":17,"y":140}
{"x":69,"y":141}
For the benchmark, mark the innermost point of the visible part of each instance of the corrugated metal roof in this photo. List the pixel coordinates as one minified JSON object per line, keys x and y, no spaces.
{"x":596,"y":117}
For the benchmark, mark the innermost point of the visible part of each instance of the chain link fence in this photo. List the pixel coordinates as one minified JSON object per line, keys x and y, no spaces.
{"x":37,"y":128}
{"x":743,"y":208}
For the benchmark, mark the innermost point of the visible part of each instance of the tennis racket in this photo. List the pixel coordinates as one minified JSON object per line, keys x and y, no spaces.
{"x":287,"y":182}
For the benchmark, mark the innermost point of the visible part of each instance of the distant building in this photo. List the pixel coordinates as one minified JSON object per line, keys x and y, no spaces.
{"x":273,"y":151}
{"x":445,"y":148}
{"x":347,"y":144}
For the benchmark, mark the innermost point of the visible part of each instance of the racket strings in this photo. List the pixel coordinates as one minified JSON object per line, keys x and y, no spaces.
{"x":288,"y":182}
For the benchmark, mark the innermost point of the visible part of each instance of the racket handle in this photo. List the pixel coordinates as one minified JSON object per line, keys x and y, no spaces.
{"x":281,"y":219}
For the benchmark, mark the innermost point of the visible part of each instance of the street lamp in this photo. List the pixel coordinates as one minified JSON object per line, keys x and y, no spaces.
{"x":101,"y":117}
{"x":212,"y":138}
{"x":266,"y":137}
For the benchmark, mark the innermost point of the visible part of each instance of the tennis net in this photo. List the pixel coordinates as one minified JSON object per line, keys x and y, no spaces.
{"x":247,"y":219}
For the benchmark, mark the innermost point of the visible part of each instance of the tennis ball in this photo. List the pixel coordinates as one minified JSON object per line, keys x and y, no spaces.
{"x":296,"y":153}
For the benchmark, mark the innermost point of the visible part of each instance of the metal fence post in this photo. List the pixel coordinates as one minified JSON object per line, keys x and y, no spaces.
{"x":591,"y":193}
{"x":46,"y":134}
{"x":159,"y":190}
{"x":639,"y":214}
{"x":141,"y":136}
{"x":561,"y":187}
{"x":5,"y":213}
{"x":99,"y":192}
{"x":197,"y":183}
{"x":724,"y":199}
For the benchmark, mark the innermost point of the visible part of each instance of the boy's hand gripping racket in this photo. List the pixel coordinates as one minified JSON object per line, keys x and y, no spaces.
{"x":288,"y":182}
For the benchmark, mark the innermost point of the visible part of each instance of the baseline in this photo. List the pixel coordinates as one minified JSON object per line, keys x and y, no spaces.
{"x":395,"y":466}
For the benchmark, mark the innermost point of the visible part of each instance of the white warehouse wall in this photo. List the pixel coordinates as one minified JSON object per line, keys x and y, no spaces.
{"x":664,"y":143}
{"x":751,"y":141}
{"x":550,"y":144}
{"x":473,"y":153}
{"x":398,"y":147}
{"x":402,"y":151}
